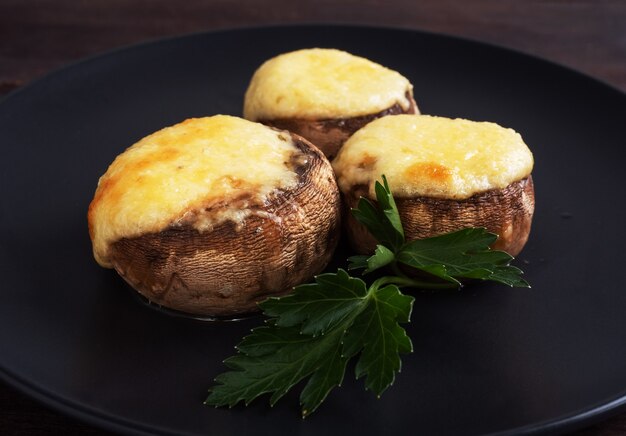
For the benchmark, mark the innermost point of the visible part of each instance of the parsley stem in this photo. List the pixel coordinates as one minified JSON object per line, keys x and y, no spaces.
{"x":426,"y":285}
{"x":396,"y":269}
{"x":409,"y":282}
{"x":402,"y":280}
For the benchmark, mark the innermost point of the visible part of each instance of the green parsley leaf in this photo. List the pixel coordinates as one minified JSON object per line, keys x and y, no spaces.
{"x":294,"y":356}
{"x":376,"y":333}
{"x":357,"y":262}
{"x":383,"y":221}
{"x":388,"y":205}
{"x":382,"y":256}
{"x":461,"y":254}
{"x":314,"y":333}
{"x":318,"y":306}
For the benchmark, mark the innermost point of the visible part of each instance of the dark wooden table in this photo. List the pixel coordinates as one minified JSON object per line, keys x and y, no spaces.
{"x":37,"y":36}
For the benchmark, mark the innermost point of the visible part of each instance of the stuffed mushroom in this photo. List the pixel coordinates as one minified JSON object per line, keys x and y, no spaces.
{"x":445,"y":174}
{"x":214,"y":214}
{"x":325,"y":95}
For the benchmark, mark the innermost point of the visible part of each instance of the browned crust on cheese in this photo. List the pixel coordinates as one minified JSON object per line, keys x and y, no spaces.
{"x":330,"y":134}
{"x":227,"y":270}
{"x":506,"y":212}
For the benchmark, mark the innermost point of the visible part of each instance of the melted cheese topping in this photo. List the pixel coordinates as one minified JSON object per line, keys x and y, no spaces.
{"x":321,"y":84}
{"x":184,"y":168}
{"x":433,"y":156}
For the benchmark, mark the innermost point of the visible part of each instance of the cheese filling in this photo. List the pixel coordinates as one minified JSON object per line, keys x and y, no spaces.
{"x":430,"y":156}
{"x":323,"y":84}
{"x":189,"y":167}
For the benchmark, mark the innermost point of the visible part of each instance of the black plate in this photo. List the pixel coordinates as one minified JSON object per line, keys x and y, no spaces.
{"x":488,"y":359}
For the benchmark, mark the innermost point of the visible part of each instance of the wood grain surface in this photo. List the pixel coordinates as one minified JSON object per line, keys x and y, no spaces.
{"x":37,"y":36}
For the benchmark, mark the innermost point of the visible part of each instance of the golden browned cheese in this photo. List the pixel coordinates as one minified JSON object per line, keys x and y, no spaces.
{"x":422,"y":155}
{"x":445,"y":174}
{"x":321,"y":83}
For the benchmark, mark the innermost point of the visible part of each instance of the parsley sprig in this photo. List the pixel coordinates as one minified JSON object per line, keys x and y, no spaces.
{"x":314,"y":332}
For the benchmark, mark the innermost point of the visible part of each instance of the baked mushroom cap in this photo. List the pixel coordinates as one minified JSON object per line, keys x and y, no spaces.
{"x":214,"y":214}
{"x":325,"y":95}
{"x":445,"y":175}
